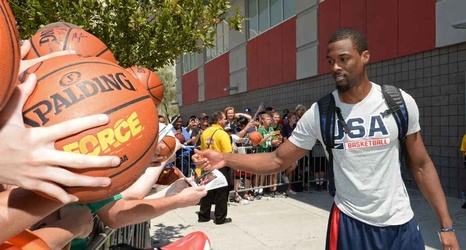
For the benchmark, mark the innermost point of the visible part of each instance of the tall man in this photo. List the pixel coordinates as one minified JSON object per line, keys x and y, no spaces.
{"x":217,"y":139}
{"x":371,"y":207}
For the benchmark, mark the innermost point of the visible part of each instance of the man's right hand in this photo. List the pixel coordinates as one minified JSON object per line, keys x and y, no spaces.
{"x":208,"y":159}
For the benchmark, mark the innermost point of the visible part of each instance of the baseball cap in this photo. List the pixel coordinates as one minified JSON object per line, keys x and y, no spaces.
{"x":203,"y":115}
{"x":247,"y":110}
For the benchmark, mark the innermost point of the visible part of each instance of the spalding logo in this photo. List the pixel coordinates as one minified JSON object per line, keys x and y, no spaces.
{"x":76,"y":90}
{"x":70,"y":78}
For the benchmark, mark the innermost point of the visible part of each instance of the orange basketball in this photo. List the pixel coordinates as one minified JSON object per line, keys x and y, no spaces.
{"x":150,"y":80}
{"x":9,"y":51}
{"x":65,"y":38}
{"x":73,"y":86}
{"x":170,"y":143}
{"x":180,"y":137}
{"x":255,"y":137}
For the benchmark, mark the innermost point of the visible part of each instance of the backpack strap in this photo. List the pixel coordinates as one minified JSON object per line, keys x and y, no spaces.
{"x":211,"y":138}
{"x":397,"y":107}
{"x":327,"y":111}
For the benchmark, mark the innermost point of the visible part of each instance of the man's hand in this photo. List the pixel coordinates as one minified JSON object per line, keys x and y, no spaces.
{"x":191,"y":196}
{"x":208,"y":159}
{"x":449,"y":241}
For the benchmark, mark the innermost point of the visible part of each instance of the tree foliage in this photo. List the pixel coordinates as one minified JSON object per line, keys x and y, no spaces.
{"x":166,"y":108}
{"x":150,"y":33}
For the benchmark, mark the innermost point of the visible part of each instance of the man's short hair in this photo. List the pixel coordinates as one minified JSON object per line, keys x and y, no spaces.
{"x":357,"y":38}
{"x":242,"y":120}
{"x":217,"y":115}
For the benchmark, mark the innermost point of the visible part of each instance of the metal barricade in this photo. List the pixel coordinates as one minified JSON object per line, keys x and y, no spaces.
{"x":103,"y":238}
{"x":307,"y":173}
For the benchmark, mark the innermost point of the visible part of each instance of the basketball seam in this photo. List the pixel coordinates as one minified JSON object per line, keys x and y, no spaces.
{"x":108,"y":112}
{"x":102,"y":52}
{"x":65,"y":44}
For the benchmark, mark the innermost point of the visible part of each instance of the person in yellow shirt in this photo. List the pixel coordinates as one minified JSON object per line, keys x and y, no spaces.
{"x":463,"y":150}
{"x":217,"y":139}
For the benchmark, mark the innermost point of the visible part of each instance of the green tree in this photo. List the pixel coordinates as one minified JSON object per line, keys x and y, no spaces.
{"x":166,"y":108}
{"x":152,"y":33}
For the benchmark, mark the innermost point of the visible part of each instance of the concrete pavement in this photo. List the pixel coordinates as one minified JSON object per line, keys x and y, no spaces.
{"x":294,"y":223}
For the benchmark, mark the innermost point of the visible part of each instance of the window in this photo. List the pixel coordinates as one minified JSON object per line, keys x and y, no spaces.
{"x":221,"y":43}
{"x":264,"y":10}
{"x":189,"y":62}
{"x":289,"y":9}
{"x":253,"y":21}
{"x":275,"y":12}
{"x":264,"y":14}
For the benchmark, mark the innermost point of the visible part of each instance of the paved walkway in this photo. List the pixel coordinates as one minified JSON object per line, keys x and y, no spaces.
{"x":294,"y":223}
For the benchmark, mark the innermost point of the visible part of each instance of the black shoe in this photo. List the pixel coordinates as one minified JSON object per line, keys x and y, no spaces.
{"x":225,"y":221}
{"x":464,"y":205}
{"x":202,"y":220}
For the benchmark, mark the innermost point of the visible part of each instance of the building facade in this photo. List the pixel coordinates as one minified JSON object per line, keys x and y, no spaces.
{"x":280,"y":59}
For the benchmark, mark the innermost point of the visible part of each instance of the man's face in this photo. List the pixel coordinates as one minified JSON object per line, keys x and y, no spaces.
{"x":276,"y":119}
{"x":266,"y":120}
{"x":162,"y":120}
{"x":222,"y":121}
{"x":346,"y":65}
{"x":205,"y":120}
{"x":193,"y":122}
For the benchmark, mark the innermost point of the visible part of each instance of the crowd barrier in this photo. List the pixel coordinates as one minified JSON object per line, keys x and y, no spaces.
{"x":104,"y":238}
{"x":300,"y":179}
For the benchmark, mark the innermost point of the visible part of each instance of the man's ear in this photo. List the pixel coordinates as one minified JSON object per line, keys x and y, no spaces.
{"x":366,"y":56}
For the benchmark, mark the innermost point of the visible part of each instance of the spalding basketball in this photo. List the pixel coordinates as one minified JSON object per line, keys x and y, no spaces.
{"x":180,"y":137}
{"x":170,"y":146}
{"x":73,"y":86}
{"x":168,"y":141}
{"x":150,"y":80}
{"x":9,"y":51}
{"x":255,"y":137}
{"x":65,"y":38}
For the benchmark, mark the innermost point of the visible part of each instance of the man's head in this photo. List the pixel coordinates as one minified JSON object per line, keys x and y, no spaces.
{"x":203,"y":119}
{"x":265,"y":119}
{"x":300,"y":110}
{"x":219,"y":118}
{"x":227,"y":128}
{"x":193,"y":121}
{"x":275,"y":118}
{"x":247,"y":111}
{"x":162,"y":119}
{"x":347,"y":56}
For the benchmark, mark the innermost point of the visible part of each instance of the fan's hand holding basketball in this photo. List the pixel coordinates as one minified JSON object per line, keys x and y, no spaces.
{"x":29,"y":158}
{"x":25,"y":64}
{"x":208,"y":159}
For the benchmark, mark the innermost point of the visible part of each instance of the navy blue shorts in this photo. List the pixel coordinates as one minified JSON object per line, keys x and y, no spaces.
{"x":346,"y":233}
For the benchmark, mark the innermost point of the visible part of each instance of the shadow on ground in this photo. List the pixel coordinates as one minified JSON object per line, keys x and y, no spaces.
{"x":164,"y":235}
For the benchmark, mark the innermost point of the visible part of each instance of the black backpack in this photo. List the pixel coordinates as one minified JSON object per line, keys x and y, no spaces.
{"x":327,"y":110}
